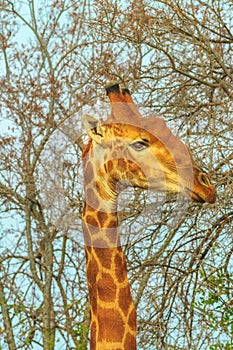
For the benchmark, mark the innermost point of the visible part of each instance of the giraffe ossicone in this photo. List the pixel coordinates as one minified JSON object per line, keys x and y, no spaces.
{"x":126,"y":150}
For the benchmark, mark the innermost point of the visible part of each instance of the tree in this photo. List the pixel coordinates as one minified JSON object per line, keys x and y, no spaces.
{"x":176,"y":58}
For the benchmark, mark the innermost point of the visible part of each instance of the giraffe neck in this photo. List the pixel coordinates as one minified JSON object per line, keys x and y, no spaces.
{"x":113,"y":316}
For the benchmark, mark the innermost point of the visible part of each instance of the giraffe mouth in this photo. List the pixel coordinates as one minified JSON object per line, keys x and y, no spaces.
{"x":195,"y":196}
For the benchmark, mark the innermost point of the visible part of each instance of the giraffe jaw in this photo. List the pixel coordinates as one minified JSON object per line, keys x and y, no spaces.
{"x":196,"y":197}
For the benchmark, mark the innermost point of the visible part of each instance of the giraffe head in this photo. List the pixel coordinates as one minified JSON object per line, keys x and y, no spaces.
{"x":155,"y":159}
{"x":142,"y":152}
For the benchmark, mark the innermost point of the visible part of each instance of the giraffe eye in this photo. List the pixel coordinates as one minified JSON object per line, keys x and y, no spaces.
{"x":139,"y":145}
{"x":204,"y":180}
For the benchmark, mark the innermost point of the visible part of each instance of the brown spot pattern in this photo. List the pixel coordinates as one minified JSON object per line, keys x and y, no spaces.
{"x":104,"y":256}
{"x":102,"y":217}
{"x":93,"y":335}
{"x":111,"y":325}
{"x":106,"y":288}
{"x":132,"y":319}
{"x":130,"y":342}
{"x":120,"y":268}
{"x":125,"y":299}
{"x":92,"y":271}
{"x":91,"y":220}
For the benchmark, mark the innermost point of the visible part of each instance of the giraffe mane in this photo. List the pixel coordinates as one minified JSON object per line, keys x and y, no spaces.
{"x":87,"y":148}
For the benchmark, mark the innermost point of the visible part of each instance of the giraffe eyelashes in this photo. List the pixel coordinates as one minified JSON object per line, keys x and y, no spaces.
{"x":139,"y":145}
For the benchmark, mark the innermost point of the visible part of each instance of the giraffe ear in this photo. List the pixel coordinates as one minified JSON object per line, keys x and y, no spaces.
{"x":93,"y":128}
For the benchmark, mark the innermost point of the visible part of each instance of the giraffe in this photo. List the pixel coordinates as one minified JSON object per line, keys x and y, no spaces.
{"x":126,"y":150}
